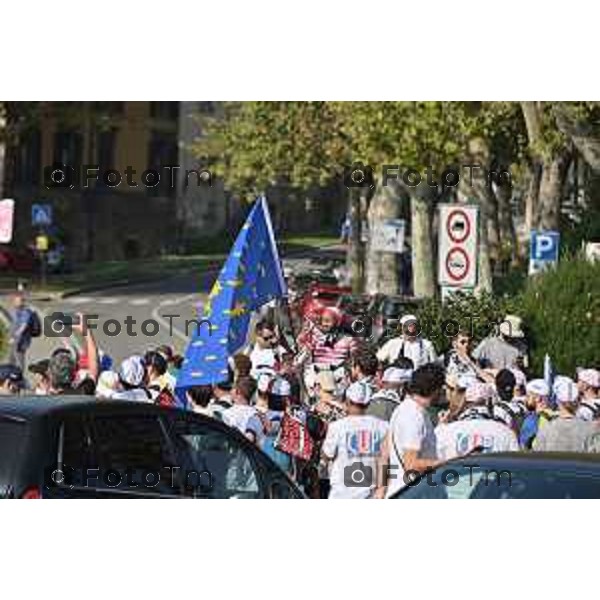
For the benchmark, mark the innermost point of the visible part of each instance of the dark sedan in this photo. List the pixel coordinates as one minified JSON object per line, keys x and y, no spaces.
{"x":78,"y":447}
{"x":522,"y":475}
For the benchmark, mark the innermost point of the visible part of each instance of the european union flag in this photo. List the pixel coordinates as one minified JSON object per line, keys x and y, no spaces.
{"x":251,"y":276}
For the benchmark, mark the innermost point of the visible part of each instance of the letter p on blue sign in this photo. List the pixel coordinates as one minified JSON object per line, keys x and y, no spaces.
{"x":543,"y":249}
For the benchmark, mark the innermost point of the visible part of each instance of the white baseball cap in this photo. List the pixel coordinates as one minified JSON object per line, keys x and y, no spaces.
{"x":407,"y":319}
{"x":589,"y":376}
{"x":565,"y":389}
{"x":359,"y":392}
{"x":396,"y":375}
{"x":538,"y":387}
{"x":520,"y":378}
{"x":132,"y":370}
{"x":479,"y":391}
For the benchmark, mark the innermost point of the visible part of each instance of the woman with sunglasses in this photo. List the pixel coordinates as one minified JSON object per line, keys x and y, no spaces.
{"x":459,"y":362}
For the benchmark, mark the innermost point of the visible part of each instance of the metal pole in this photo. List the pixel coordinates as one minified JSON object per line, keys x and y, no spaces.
{"x":43,"y":269}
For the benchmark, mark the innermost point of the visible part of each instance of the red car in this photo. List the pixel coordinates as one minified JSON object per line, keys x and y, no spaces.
{"x":317,"y":296}
{"x":17,"y":259}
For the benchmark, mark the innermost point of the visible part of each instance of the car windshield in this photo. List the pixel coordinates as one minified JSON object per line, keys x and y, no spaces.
{"x":472,"y":481}
{"x":353,"y":305}
{"x":394,"y":308}
{"x":326,"y":296}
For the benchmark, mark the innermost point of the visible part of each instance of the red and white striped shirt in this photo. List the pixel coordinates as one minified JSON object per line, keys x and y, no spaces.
{"x":327,"y":349}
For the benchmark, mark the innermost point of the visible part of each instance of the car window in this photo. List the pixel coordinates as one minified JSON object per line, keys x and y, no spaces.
{"x":391,"y":309}
{"x":214,"y":463}
{"x":280,"y":489}
{"x":476,"y":482}
{"x":137,"y":449}
{"x":74,"y":450}
{"x":12,"y":436}
{"x":327,"y":296}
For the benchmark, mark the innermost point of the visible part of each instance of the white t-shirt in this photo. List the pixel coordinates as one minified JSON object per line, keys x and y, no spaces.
{"x":420,"y":351}
{"x":244,"y":418}
{"x":410,"y":429}
{"x":458,"y":438}
{"x":354,"y":441}
{"x":264,"y":357}
{"x":586,"y":409}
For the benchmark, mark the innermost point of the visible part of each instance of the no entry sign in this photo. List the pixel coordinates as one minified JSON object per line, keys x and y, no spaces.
{"x":457,"y":264}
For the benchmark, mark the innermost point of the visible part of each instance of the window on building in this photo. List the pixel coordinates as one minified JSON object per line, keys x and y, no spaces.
{"x":162,"y":152}
{"x":106,"y":142}
{"x":68,"y":148}
{"x":28,"y":159}
{"x":167,"y":111}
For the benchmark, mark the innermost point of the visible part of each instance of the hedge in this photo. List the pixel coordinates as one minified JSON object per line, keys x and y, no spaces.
{"x":560,"y":309}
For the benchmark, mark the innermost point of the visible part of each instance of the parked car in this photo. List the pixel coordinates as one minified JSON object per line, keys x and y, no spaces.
{"x":319,"y":295}
{"x":521,"y":475}
{"x":355,"y":307}
{"x":21,"y":260}
{"x":386,"y":312}
{"x":78,"y":447}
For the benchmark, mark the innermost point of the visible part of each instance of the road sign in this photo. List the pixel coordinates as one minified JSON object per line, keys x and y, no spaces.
{"x":7,"y":213}
{"x":448,"y":292}
{"x":388,"y":236}
{"x":592,"y":251}
{"x":41,"y":243}
{"x":543,"y":250}
{"x":457,"y":260}
{"x":41,"y":214}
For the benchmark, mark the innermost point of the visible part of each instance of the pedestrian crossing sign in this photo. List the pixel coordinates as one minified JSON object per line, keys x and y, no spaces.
{"x":41,"y":214}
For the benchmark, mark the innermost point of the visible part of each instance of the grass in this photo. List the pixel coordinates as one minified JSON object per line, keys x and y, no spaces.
{"x":134,"y":271}
{"x":113,"y":272}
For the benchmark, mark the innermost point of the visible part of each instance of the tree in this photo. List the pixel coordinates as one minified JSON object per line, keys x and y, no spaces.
{"x":256,"y":145}
{"x":550,"y":153}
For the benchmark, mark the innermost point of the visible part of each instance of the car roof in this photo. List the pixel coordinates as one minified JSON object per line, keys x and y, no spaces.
{"x":33,"y":407}
{"x":530,"y":459}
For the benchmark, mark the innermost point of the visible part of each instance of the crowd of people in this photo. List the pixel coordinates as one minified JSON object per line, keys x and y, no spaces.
{"x":335,"y":412}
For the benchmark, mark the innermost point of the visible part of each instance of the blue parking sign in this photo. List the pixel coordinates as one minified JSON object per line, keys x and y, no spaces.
{"x":543,"y":250}
{"x":41,"y":214}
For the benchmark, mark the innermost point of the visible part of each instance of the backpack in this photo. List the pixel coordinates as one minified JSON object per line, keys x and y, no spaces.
{"x":35,"y":325}
{"x":161,"y":397}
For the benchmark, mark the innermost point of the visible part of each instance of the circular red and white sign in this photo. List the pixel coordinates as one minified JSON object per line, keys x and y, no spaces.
{"x":458,"y":226}
{"x":457,"y":264}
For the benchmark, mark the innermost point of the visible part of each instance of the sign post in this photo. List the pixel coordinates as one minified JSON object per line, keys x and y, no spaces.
{"x":457,"y":259}
{"x":41,"y":245}
{"x":543,"y":250}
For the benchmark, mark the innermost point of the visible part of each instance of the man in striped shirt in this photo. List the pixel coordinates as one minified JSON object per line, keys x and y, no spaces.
{"x":328,"y":345}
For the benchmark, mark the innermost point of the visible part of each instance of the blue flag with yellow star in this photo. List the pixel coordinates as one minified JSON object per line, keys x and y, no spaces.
{"x":251,"y":276}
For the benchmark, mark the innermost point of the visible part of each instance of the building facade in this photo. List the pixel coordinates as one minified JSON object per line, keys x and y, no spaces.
{"x":116,"y":207}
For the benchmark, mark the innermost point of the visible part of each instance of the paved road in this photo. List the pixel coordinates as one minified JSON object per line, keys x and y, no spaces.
{"x":157,"y":312}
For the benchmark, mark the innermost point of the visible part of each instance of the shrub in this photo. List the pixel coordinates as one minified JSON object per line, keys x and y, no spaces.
{"x":562,"y":310}
{"x":480,"y":315}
